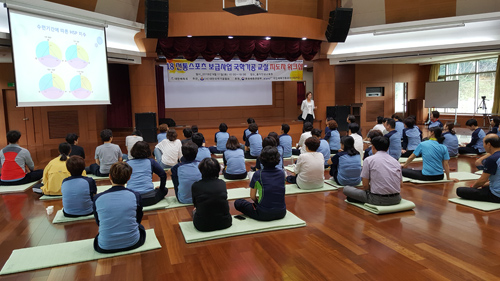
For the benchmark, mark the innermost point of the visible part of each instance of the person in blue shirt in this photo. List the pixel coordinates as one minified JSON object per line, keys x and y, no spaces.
{"x":373,"y":133}
{"x":220,"y":139}
{"x":285,"y":140}
{"x":253,"y":144}
{"x":267,"y":190}
{"x":188,"y":133}
{"x":324,"y":146}
{"x":184,"y":174}
{"x":234,"y":160}
{"x":281,"y":149}
{"x":351,"y":119}
{"x":194,"y":129}
{"x":247,"y":132}
{"x":435,"y":158}
{"x":118,"y":213}
{"x":163,"y":132}
{"x":450,"y":139}
{"x":346,"y":165}
{"x":494,"y":122}
{"x":475,"y":146}
{"x":412,"y":136}
{"x":332,"y":136}
{"x":434,"y":122}
{"x":271,"y":141}
{"x":394,"y":139}
{"x":203,"y":152}
{"x":141,"y":181}
{"x":487,"y":187}
{"x":77,"y":191}
{"x":399,"y":125}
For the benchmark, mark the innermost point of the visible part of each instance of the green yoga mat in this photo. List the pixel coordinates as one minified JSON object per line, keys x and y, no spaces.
{"x":333,"y":183}
{"x":404,"y":205}
{"x":96,"y":178}
{"x":66,"y":253}
{"x":480,"y":205}
{"x":480,"y":172}
{"x":5,"y":189}
{"x":294,"y":189}
{"x":461,"y":176}
{"x":60,"y":218}
{"x":416,"y":160}
{"x":240,"y":227}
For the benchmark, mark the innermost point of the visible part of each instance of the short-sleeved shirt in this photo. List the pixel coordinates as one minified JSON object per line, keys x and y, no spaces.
{"x":400,"y":126}
{"x":310,"y":170}
{"x":171,"y":151}
{"x":77,"y":193}
{"x":286,"y":143}
{"x":53,"y":175}
{"x":348,"y":168}
{"x":333,"y":138}
{"x":203,"y":152}
{"x":161,"y":136}
{"x":234,"y":161}
{"x":381,"y":128}
{"x":411,"y":138}
{"x":129,"y":143}
{"x":184,"y":175}
{"x":302,"y":141}
{"x":246,"y":133}
{"x":451,"y":142}
{"x":270,"y":185}
{"x":477,"y":140}
{"x":394,"y":144}
{"x":141,"y":180}
{"x":358,"y":142}
{"x":118,"y":212}
{"x":77,"y":150}
{"x":436,"y":123}
{"x":221,"y":140}
{"x":13,"y":159}
{"x":254,"y":141}
{"x":324,"y":148}
{"x":433,"y":154}
{"x":491,"y":165}
{"x":384,"y":173}
{"x":108,"y":154}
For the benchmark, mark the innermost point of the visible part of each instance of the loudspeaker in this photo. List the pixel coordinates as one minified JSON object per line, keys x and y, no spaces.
{"x":339,"y":114}
{"x":156,"y":25}
{"x":169,"y":121}
{"x":149,"y":135}
{"x":338,"y":25}
{"x":145,"y":120}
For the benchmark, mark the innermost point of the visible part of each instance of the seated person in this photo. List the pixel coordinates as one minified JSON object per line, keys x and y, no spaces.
{"x":141,"y":180}
{"x":412,"y":136}
{"x":269,"y":204}
{"x":271,"y":141}
{"x":494,"y":123}
{"x":324,"y":146}
{"x":105,"y":155}
{"x":399,"y":125}
{"x":307,"y":127}
{"x":285,"y":140}
{"x":310,"y":167}
{"x":203,"y":152}
{"x":434,"y":122}
{"x":247,"y":132}
{"x":253,"y":144}
{"x":163,"y":132}
{"x":475,"y":146}
{"x":77,"y":190}
{"x":55,"y":172}
{"x":130,"y":141}
{"x":371,"y":134}
{"x":118,"y":213}
{"x":210,"y":198}
{"x":234,"y":160}
{"x":358,"y":140}
{"x":220,"y":139}
{"x":351,"y":119}
{"x":346,"y":165}
{"x":487,"y":187}
{"x":281,"y":149}
{"x":450,"y":139}
{"x":16,"y":164}
{"x":186,"y":173}
{"x":381,"y":175}
{"x":194,"y":129}
{"x":72,"y":139}
{"x":333,"y":136}
{"x":394,"y":139}
{"x":380,"y":125}
{"x":168,"y":151}
{"x":434,"y":156}
{"x":187,"y":134}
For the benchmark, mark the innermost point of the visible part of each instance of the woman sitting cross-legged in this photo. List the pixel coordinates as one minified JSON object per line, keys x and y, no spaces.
{"x":435,"y":157}
{"x":118,"y":213}
{"x":143,"y":168}
{"x":310,"y":167}
{"x":210,"y":198}
{"x":77,"y":190}
{"x":346,"y":165}
{"x":234,"y":160}
{"x":269,"y":182}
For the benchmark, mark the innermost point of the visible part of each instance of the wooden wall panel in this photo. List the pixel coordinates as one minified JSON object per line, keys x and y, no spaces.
{"x":290,"y":108}
{"x":143,"y":87}
{"x":62,"y":123}
{"x":344,"y":84}
{"x":411,"y":10}
{"x":324,"y":88}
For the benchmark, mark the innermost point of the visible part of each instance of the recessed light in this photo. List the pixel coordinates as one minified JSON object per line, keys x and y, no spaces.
{"x":304,"y":38}
{"x":189,"y":36}
{"x":305,"y":65}
{"x":230,"y":37}
{"x":268,"y":38}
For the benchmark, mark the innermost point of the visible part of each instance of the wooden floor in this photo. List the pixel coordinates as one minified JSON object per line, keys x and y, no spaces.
{"x":437,"y":241}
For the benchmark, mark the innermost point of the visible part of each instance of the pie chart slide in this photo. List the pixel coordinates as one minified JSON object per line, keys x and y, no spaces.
{"x":51,"y":86}
{"x":77,"y":57}
{"x":80,"y":87}
{"x":48,"y":54}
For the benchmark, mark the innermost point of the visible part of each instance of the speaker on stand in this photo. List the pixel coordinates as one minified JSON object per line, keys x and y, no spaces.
{"x":146,"y":123}
{"x":339,"y":114}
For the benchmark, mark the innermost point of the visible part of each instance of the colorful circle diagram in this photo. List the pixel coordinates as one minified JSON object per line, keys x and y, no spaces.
{"x":80,"y":87}
{"x":48,"y":54}
{"x":77,"y":57}
{"x":51,"y":86}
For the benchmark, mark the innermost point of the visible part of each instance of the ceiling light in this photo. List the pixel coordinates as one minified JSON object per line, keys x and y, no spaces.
{"x":418,"y":28}
{"x":305,"y":65}
{"x":268,"y":38}
{"x":230,"y":37}
{"x":304,"y":38}
{"x":189,"y":36}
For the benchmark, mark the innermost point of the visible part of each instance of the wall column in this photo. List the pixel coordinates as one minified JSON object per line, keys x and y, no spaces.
{"x":143,"y":87}
{"x":324,"y":88}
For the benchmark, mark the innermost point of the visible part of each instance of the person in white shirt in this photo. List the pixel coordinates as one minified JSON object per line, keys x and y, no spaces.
{"x":310,"y":168}
{"x":358,"y":140}
{"x":380,"y":125}
{"x":130,"y":141}
{"x":307,"y":134}
{"x":308,"y":108}
{"x":169,"y":151}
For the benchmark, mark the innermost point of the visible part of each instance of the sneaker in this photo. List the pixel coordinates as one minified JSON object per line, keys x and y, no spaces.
{"x":37,"y":190}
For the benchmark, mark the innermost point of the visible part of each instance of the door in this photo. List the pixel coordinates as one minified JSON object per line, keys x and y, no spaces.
{"x":18,"y":118}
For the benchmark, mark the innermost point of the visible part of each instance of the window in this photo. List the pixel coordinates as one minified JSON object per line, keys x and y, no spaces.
{"x":477,"y":79}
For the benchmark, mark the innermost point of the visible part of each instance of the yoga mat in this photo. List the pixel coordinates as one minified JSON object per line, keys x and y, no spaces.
{"x":294,"y":189}
{"x":240,"y":227}
{"x":66,"y":253}
{"x":461,"y":176}
{"x":226,"y":180}
{"x":480,"y":205}
{"x":4,"y":189}
{"x":333,"y":183}
{"x":96,"y":178}
{"x":221,"y":161}
{"x":404,"y":205}
{"x":416,"y":160}
{"x":218,"y":154}
{"x":480,"y":172}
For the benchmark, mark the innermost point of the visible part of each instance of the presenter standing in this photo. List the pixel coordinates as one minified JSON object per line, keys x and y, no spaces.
{"x":308,"y":108}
